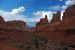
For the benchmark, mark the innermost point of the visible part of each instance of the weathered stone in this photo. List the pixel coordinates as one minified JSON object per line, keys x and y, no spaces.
{"x":2,"y":22}
{"x":69,"y":13}
{"x":56,"y":17}
{"x":69,"y":17}
{"x":43,"y":21}
{"x":16,"y":24}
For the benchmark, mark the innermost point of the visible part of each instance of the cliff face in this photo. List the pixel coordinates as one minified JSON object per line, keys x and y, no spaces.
{"x":69,"y":13}
{"x":56,"y":17}
{"x":2,"y":22}
{"x":12,"y":24}
{"x":16,"y":24}
{"x":52,"y":25}
{"x":69,"y":17}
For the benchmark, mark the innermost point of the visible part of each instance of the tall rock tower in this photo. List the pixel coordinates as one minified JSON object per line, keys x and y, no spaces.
{"x":43,"y":21}
{"x":56,"y":17}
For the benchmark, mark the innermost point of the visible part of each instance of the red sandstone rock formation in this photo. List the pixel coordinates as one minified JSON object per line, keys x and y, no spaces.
{"x":43,"y":21}
{"x":12,"y":24}
{"x":56,"y":17}
{"x":16,"y":24}
{"x":67,"y":22}
{"x":69,"y":18}
{"x":53,"y":24}
{"x":2,"y":22}
{"x":69,"y":13}
{"x":62,"y":32}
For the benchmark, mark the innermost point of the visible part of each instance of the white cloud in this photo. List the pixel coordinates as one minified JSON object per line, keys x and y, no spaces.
{"x":70,"y":2}
{"x":58,"y":7}
{"x":9,"y":17}
{"x":18,"y":11}
{"x":41,"y":14}
{"x":64,"y":7}
{"x":15,"y":14}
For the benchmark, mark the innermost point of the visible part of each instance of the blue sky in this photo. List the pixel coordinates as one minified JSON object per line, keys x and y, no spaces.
{"x":31,"y":10}
{"x":30,"y":5}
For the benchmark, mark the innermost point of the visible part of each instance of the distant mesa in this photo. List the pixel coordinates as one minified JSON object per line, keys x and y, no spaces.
{"x":16,"y":24}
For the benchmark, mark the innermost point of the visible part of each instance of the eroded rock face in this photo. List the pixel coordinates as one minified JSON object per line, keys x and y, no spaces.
{"x":69,"y":17}
{"x":16,"y":24}
{"x":12,"y":24}
{"x":43,"y":21}
{"x":52,"y":25}
{"x":2,"y":22}
{"x":69,"y":13}
{"x":56,"y":17}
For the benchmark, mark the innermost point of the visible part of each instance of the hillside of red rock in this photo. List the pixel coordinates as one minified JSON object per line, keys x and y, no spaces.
{"x":63,"y":31}
{"x":2,"y":22}
{"x":69,"y":17}
{"x":50,"y":26}
{"x":67,"y":22}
